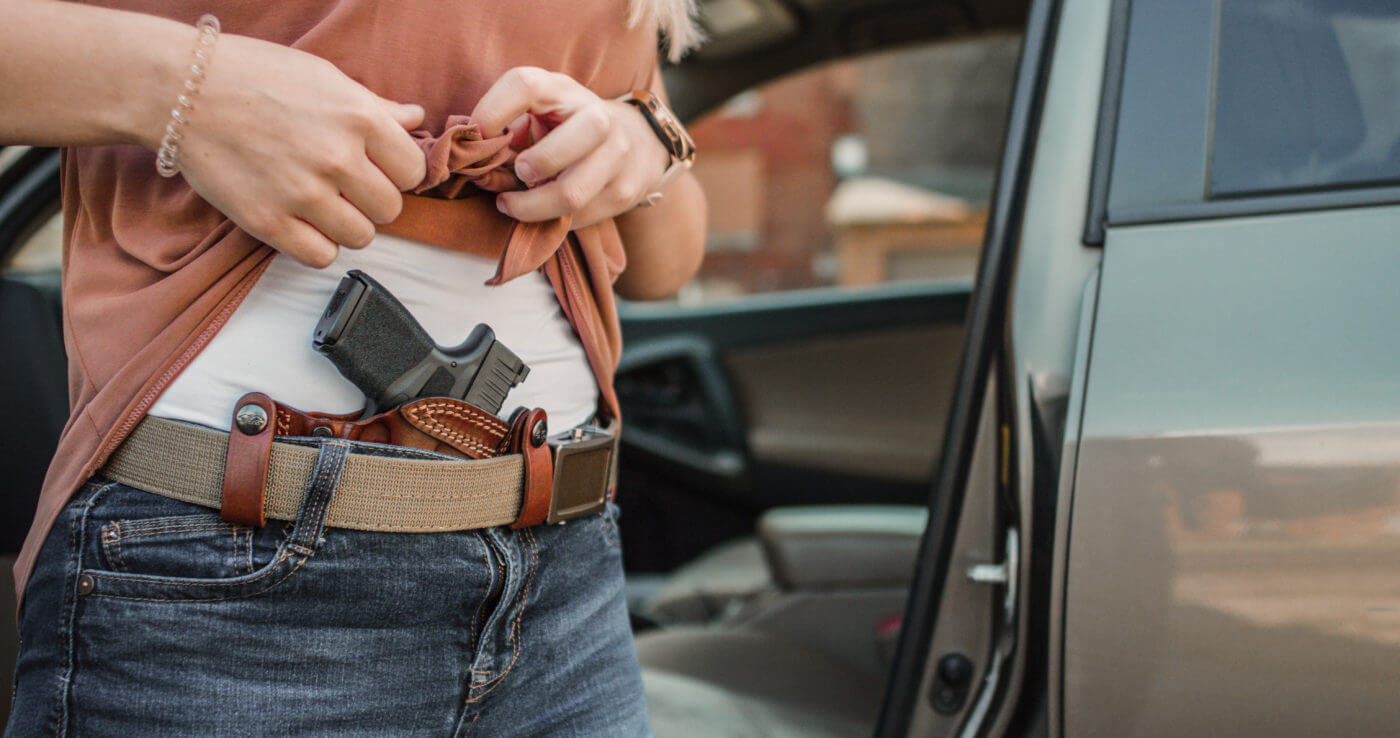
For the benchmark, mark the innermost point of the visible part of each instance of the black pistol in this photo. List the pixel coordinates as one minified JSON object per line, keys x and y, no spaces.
{"x":376,"y":344}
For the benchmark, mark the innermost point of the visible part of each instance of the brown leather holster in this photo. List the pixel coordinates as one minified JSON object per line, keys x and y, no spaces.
{"x":563,"y":477}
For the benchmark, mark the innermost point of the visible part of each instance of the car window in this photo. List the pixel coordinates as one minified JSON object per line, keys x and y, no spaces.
{"x":1249,"y":107}
{"x":1305,"y":95}
{"x":858,"y":172}
{"x":40,"y":248}
{"x":37,"y":251}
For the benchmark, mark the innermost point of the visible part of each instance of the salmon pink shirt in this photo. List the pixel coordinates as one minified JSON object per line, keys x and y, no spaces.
{"x":152,"y":272}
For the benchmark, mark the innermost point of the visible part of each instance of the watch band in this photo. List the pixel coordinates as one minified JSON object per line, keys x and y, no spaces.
{"x":672,"y":134}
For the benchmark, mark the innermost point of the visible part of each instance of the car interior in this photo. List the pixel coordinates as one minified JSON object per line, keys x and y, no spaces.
{"x":781,"y":438}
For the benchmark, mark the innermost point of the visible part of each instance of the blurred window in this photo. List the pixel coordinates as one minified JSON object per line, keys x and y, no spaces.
{"x":40,"y":248}
{"x":1307,"y":95}
{"x":858,"y":172}
{"x":37,"y":253}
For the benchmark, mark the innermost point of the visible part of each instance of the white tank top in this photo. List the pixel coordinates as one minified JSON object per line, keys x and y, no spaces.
{"x":266,"y":344}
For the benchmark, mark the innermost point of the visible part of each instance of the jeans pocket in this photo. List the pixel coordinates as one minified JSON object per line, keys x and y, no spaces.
{"x":196,"y":546}
{"x":289,"y":549}
{"x":143,"y":546}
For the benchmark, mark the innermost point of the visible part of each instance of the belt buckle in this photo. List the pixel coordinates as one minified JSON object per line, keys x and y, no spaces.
{"x":583,"y":462}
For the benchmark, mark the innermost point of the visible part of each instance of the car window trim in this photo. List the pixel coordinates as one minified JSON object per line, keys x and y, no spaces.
{"x":1178,"y":197}
{"x":1257,"y":206}
{"x":1106,"y":135}
{"x":805,"y":314}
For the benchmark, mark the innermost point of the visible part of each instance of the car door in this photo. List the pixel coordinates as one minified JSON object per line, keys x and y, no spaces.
{"x":1232,"y":517}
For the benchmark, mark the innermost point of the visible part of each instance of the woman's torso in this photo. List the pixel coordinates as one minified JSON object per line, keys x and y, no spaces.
{"x":266,"y":345}
{"x":154,"y":253}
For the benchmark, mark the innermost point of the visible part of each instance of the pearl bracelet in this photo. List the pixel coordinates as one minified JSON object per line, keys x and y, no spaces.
{"x":168,"y":157}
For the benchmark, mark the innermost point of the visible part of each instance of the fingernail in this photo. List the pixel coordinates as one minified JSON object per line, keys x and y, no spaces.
{"x":501,"y":206}
{"x":525,"y":172}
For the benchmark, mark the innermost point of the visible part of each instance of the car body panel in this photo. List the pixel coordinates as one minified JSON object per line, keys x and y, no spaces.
{"x":1051,"y":631}
{"x":1051,"y":319}
{"x":1236,"y":515}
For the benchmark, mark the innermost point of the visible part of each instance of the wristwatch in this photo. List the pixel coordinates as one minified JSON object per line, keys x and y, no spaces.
{"x":672,"y":135}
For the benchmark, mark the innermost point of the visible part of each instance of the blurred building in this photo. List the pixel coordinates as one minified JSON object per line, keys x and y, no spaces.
{"x":867,"y":170}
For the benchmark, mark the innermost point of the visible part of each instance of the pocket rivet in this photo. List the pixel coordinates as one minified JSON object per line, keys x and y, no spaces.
{"x":86,"y":584}
{"x":538,"y":433}
{"x":250,"y":419}
{"x":322,"y":431}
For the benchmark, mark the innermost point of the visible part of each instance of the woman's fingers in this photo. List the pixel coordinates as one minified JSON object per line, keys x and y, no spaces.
{"x":338,"y":220}
{"x":298,"y":239}
{"x":408,"y":116}
{"x":569,"y":142}
{"x":528,"y":90}
{"x":369,"y":190}
{"x":578,"y":187}
{"x":391,"y":148}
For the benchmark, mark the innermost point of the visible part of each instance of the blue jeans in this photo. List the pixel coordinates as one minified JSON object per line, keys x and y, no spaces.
{"x":148,"y":616}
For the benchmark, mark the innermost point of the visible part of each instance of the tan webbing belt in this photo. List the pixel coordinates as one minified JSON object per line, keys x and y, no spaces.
{"x":381,"y":493}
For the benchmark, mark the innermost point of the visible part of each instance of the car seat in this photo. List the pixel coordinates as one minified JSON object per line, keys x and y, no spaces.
{"x":786,"y":633}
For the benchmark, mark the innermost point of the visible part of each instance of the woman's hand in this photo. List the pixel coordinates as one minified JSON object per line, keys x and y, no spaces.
{"x":292,"y":150}
{"x":597,"y":159}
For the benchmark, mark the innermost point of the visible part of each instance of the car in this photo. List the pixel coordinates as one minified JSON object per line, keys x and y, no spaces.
{"x":1135,"y":473}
